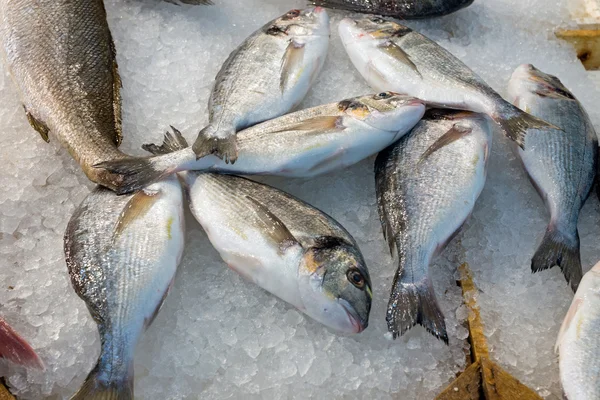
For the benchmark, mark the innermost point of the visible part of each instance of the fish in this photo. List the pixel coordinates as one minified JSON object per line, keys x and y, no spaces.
{"x":265,"y":77}
{"x":122,"y":253}
{"x":427,"y":185}
{"x":287,"y":247}
{"x":561,"y":164}
{"x":401,"y":9}
{"x":390,"y":56}
{"x":16,"y":349}
{"x":578,"y":343}
{"x":302,"y":144}
{"x":62,"y":59}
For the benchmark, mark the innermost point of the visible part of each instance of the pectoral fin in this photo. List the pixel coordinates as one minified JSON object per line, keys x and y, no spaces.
{"x":321,"y":124}
{"x":39,"y":126}
{"x":455,"y":133}
{"x":575,"y":305}
{"x":394,"y":51}
{"x":291,"y":65}
{"x":272,"y":226}
{"x":139,"y":204}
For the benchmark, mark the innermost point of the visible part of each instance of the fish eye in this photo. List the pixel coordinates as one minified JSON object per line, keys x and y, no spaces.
{"x":383,"y":95}
{"x":293,"y":14}
{"x":356,"y":278}
{"x":378,"y":20}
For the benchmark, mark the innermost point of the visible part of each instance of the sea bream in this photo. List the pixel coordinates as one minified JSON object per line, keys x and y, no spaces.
{"x":61,"y":56}
{"x":285,"y":246}
{"x":578,"y":342}
{"x":122,"y":253}
{"x":427,"y":184}
{"x":391,"y":56}
{"x":265,"y":77}
{"x":561,"y":164}
{"x":302,"y":144}
{"x":401,"y":9}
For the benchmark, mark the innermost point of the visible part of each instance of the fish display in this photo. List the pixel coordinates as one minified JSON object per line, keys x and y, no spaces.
{"x":16,"y":349}
{"x":561,"y":164}
{"x":122,"y":253}
{"x":427,"y":184}
{"x":578,"y":343}
{"x":266,"y":76}
{"x":401,"y":9}
{"x":302,"y":144}
{"x":391,"y":56}
{"x":61,"y":56}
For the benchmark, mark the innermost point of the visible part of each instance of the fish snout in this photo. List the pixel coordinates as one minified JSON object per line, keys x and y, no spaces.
{"x":357,"y":323}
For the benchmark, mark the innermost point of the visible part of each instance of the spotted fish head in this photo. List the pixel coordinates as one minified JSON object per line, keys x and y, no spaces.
{"x":370,"y":29}
{"x":335,"y":286}
{"x":297,"y":23}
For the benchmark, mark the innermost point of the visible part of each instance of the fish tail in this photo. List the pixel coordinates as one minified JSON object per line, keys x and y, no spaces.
{"x":97,"y":387}
{"x":222,"y":146}
{"x":16,"y":349}
{"x":414,"y":303}
{"x":558,"y":248}
{"x":516,"y":123}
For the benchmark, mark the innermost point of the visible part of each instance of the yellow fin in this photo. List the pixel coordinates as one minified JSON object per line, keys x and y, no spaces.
{"x":139,"y":204}
{"x":320,"y":124}
{"x":396,"y":52}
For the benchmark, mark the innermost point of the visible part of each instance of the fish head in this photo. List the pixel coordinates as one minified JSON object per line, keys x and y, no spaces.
{"x":370,"y":29}
{"x":528,"y":79}
{"x":335,"y":286}
{"x":300,"y":23}
{"x":387,"y":111}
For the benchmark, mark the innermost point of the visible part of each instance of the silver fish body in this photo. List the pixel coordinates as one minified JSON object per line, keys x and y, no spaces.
{"x":285,"y":246}
{"x":122,"y":253}
{"x":401,"y":9}
{"x":427,"y":184}
{"x":393,"y":57}
{"x":560,"y":163}
{"x":266,"y":76}
{"x":62,"y":58}
{"x":301,"y":144}
{"x":578,"y":342}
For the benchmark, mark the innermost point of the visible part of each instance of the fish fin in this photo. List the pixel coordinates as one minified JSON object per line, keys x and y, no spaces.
{"x":191,"y":2}
{"x":516,"y":123}
{"x":150,"y":320}
{"x":134,"y":173}
{"x":320,"y":124}
{"x":95,"y":388}
{"x":455,"y":133}
{"x":16,"y":349}
{"x":291,"y":64}
{"x":327,"y":162}
{"x":396,"y":52}
{"x":117,"y":85}
{"x":139,"y":204}
{"x":224,"y":147}
{"x":273,"y":226}
{"x":575,"y":305}
{"x":39,"y":126}
{"x":171,"y":142}
{"x":414,"y":303}
{"x":554,"y":94}
{"x":562,"y":250}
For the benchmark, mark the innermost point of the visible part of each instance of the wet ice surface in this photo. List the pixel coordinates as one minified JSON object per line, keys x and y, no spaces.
{"x":220,"y":337}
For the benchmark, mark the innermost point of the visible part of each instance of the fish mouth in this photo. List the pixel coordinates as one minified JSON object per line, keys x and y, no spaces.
{"x":357,"y":324}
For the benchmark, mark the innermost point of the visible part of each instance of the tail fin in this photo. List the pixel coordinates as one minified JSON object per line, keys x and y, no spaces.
{"x":516,"y":123}
{"x":414,"y":303}
{"x":559,"y":249}
{"x":96,"y":388}
{"x":16,"y":349}
{"x":136,"y":173}
{"x":223,"y":147}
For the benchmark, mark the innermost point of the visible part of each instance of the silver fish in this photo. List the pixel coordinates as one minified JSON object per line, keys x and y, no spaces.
{"x":561,"y":164}
{"x":393,"y":57}
{"x":62,"y":58}
{"x":266,"y":76}
{"x":401,"y":9}
{"x":122,"y":253}
{"x":301,"y":144}
{"x":287,"y":247}
{"x":578,"y":342}
{"x":427,"y":185}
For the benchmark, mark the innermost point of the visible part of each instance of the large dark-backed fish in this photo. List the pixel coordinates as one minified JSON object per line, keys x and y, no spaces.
{"x":401,"y":9}
{"x":560,"y":163}
{"x":427,"y":185}
{"x":122,"y":253}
